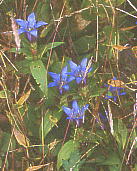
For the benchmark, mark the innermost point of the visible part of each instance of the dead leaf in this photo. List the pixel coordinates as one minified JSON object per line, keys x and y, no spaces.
{"x":35,"y":167}
{"x":116,"y":83}
{"x":24,"y":98}
{"x":21,"y":138}
{"x":119,"y":47}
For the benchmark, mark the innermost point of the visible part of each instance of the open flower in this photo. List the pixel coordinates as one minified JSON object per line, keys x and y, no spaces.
{"x":60,"y":80}
{"x":114,"y":92}
{"x":79,"y":72}
{"x":76,"y":113}
{"x":29,"y":26}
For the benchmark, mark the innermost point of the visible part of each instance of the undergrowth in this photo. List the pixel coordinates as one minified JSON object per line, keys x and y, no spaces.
{"x":68,"y":81}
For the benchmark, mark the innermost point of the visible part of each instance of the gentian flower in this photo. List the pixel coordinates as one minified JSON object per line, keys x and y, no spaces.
{"x":115,"y":91}
{"x":76,"y":113}
{"x":60,"y":80}
{"x":79,"y":72}
{"x":29,"y":26}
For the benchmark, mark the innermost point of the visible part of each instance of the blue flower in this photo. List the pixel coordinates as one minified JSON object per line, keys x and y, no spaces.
{"x":60,"y":80}
{"x":115,"y":91}
{"x":79,"y":72}
{"x":76,"y":113}
{"x":30,"y":26}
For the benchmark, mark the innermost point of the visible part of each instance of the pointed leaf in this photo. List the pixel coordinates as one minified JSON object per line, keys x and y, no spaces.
{"x":39,"y":73}
{"x":50,"y":46}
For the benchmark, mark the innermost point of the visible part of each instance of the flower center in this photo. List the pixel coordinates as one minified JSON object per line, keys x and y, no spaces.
{"x":29,"y":29}
{"x":61,"y":83}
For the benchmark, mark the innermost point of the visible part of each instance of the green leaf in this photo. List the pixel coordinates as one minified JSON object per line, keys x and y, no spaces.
{"x":4,"y":143}
{"x":65,"y":152}
{"x":97,"y":92}
{"x":39,"y":73}
{"x":112,"y":159}
{"x":48,"y":47}
{"x":114,"y":168}
{"x":50,"y":121}
{"x":83,"y":43}
{"x":120,"y":133}
{"x":31,"y":120}
{"x":74,"y":162}
{"x":2,"y":94}
{"x":23,"y":66}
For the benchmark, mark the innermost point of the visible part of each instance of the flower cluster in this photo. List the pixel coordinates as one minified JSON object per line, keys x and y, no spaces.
{"x":78,"y":73}
{"x":62,"y":80}
{"x":115,"y":91}
{"x":30,"y":26}
{"x":76,"y":113}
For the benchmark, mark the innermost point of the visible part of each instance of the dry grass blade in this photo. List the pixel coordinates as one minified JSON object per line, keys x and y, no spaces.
{"x":15,"y":32}
{"x":110,"y":119}
{"x":134,"y":49}
{"x":128,"y":28}
{"x":23,"y":98}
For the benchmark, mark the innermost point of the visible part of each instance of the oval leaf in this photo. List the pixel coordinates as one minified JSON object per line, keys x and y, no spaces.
{"x":65,"y":152}
{"x":39,"y":73}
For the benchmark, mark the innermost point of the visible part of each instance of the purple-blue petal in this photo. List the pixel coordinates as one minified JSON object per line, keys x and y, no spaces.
{"x":29,"y":36}
{"x":60,"y":90}
{"x":78,"y":79}
{"x":114,"y":78}
{"x":121,"y":94}
{"x":22,"y":23}
{"x":113,"y":88}
{"x":31,"y":20}
{"x":115,"y":98}
{"x":64,"y":73}
{"x":108,"y":97}
{"x":75,"y":105}
{"x":71,"y":78}
{"x":66,"y":87}
{"x":84,"y":63}
{"x":40,"y":23}
{"x":34,"y":32}
{"x":73,"y":66}
{"x":64,"y":70}
{"x":54,"y":75}
{"x":67,"y":110}
{"x":52,"y":84}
